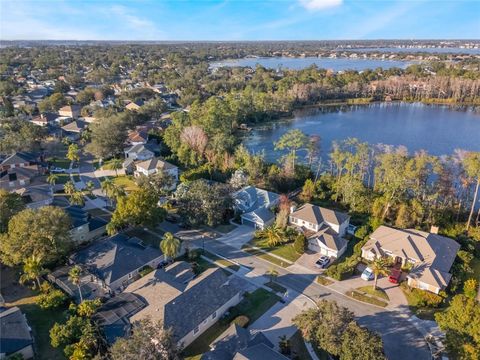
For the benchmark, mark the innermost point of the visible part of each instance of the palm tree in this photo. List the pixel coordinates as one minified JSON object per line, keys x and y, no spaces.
{"x":170,"y":245}
{"x":273,"y":274}
{"x":32,"y":270}
{"x":273,"y":234}
{"x":379,"y":267}
{"x":69,"y":187}
{"x":89,"y":186}
{"x":74,"y":276}
{"x":52,"y":179}
{"x":116,"y":164}
{"x":77,"y":198}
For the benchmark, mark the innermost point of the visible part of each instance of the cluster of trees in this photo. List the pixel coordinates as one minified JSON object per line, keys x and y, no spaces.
{"x":417,"y":190}
{"x":332,"y":328}
{"x":20,"y":135}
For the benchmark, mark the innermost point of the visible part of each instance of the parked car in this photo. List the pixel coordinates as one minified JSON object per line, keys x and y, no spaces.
{"x":57,"y":170}
{"x":395,"y":275}
{"x":351,"y":229}
{"x":322,"y":262}
{"x":367,"y":274}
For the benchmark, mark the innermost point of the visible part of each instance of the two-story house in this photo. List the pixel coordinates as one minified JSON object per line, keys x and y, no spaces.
{"x":324,"y":228}
{"x":17,"y":170}
{"x":429,"y":255}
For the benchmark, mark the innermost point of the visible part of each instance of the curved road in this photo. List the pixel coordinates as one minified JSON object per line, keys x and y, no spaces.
{"x":401,"y":338}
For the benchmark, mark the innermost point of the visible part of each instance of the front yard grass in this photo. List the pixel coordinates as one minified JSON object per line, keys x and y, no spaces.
{"x":59,"y":162}
{"x":276,"y":287}
{"x":416,"y":302}
{"x":366,"y":298}
{"x":265,"y":256}
{"x":322,"y":280}
{"x":126,"y":182}
{"x":222,"y":262}
{"x":378,"y":292}
{"x":284,"y":250}
{"x":253,"y":306}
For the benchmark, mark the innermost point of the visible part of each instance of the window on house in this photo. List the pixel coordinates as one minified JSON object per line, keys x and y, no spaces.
{"x":130,"y":276}
{"x":214,"y":315}
{"x":196,"y":330}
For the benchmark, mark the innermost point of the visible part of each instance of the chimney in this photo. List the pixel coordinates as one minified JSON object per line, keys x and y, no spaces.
{"x":434,"y":230}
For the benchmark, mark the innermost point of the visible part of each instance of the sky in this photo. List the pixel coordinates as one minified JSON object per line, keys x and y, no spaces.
{"x":238,"y":19}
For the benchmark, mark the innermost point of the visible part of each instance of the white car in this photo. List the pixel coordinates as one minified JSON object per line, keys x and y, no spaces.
{"x":57,"y":170}
{"x":322,"y":262}
{"x":367,"y":274}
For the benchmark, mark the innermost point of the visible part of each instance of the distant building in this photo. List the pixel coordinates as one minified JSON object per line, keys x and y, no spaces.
{"x":156,"y":165}
{"x":15,"y":336}
{"x":72,"y":111}
{"x":254,"y":206}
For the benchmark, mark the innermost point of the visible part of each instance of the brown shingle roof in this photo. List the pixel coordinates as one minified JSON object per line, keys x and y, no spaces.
{"x":316,"y":215}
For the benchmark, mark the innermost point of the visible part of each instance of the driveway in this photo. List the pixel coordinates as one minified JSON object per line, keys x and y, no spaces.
{"x":306,"y":263}
{"x":277,"y":321}
{"x":238,"y":237}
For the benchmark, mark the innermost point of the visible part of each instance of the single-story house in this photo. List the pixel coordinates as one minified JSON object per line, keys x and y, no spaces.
{"x":324,"y":228}
{"x":430,"y":255}
{"x":156,"y":165}
{"x":135,"y":105}
{"x":15,"y":335}
{"x":187,"y":304}
{"x":84,"y":226}
{"x":137,"y":137}
{"x":139,"y":152}
{"x":36,"y":196}
{"x":71,"y":111}
{"x":74,"y":129}
{"x":115,"y":262}
{"x":240,"y":343}
{"x":254,"y":206}
{"x":44,"y":119}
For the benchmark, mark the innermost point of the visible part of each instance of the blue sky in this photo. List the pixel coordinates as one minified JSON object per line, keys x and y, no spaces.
{"x":238,"y":19}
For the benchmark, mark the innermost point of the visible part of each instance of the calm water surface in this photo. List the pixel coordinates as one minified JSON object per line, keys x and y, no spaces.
{"x":438,"y":129}
{"x":420,"y":50}
{"x":337,"y":64}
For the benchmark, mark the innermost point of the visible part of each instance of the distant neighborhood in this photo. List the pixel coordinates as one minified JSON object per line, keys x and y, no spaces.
{"x":136,"y":220}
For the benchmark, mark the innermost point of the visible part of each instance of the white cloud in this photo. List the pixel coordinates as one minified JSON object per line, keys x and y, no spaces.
{"x":315,"y":5}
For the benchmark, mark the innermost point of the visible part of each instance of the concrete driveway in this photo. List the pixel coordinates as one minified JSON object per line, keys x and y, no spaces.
{"x":238,"y":237}
{"x":306,"y":263}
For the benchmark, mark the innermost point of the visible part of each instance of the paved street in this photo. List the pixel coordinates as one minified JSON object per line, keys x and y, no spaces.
{"x":401,"y":338}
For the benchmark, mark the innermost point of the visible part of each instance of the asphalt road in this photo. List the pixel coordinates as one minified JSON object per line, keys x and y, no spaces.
{"x":402,"y":340}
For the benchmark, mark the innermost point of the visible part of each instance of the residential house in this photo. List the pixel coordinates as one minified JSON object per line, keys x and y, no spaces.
{"x":135,"y":105}
{"x":85,"y":227}
{"x":429,"y":255}
{"x":36,"y":196}
{"x":254,"y":205}
{"x":71,"y":111}
{"x":18,"y":170}
{"x":137,"y":137}
{"x":239,"y":343}
{"x":15,"y":336}
{"x":44,"y":119}
{"x":156,"y":165}
{"x":74,"y":129}
{"x":139,"y":152}
{"x":187,"y":304}
{"x":116,"y":261}
{"x":324,"y":228}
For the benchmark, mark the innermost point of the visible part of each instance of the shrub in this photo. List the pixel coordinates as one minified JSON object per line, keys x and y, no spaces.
{"x":194,"y":254}
{"x":300,"y":244}
{"x":422,"y":298}
{"x":241,"y":321}
{"x":51,"y":298}
{"x":470,"y":288}
{"x":145,"y":270}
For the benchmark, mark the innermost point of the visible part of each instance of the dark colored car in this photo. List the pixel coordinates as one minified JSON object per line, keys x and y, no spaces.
{"x":395,"y":275}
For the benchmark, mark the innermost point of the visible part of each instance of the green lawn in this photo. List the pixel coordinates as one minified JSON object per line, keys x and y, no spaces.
{"x":223,"y":262}
{"x":378,"y":292}
{"x":322,"y":280}
{"x":126,"y":182}
{"x":147,"y":237}
{"x":416,"y":303}
{"x":276,"y":287}
{"x":266,"y":257}
{"x":59,"y":162}
{"x":62,"y":178}
{"x":285,"y":251}
{"x":253,"y":305}
{"x":366,"y":298}
{"x":41,"y":321}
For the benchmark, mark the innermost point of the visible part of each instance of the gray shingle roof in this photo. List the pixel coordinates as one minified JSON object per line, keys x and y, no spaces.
{"x":115,"y":257}
{"x":316,"y":215}
{"x":19,"y":157}
{"x":197,"y":303}
{"x":14,"y":331}
{"x":259,"y":352}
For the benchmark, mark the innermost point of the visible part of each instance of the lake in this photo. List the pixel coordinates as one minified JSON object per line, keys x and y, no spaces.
{"x":335,"y":64}
{"x":438,"y":129}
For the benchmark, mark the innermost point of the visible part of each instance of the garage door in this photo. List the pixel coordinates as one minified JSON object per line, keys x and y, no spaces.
{"x":248,"y":223}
